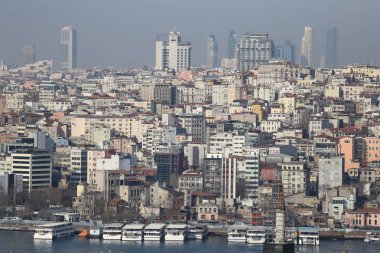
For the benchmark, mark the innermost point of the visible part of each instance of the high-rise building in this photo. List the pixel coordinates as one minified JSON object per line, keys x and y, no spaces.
{"x":34,"y":165}
{"x":306,"y":52}
{"x":212,"y":179}
{"x":78,"y":168}
{"x":212,"y":52}
{"x":286,"y":52}
{"x":169,"y":161}
{"x":195,"y":125}
{"x":231,"y":44}
{"x":28,"y":54}
{"x":332,"y":47}
{"x":68,"y":48}
{"x":253,"y":49}
{"x":173,"y":54}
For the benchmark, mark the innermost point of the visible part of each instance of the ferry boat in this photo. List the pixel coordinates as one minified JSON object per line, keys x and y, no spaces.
{"x":96,"y":232}
{"x":198,"y":232}
{"x":133,"y":232}
{"x":176,"y":232}
{"x":372,"y":237}
{"x":256,"y":235}
{"x":154,"y":232}
{"x":308,"y":236}
{"x":54,"y":230}
{"x":237,"y":233}
{"x":112,"y":231}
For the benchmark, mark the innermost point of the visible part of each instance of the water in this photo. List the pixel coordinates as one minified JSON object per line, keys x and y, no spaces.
{"x":24,"y":242}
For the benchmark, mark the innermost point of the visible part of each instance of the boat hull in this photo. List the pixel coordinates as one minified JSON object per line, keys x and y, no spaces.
{"x":239,"y":240}
{"x":256,"y":241}
{"x":50,"y":236}
{"x":174,"y":237}
{"x":132,"y":238}
{"x":111,"y":237}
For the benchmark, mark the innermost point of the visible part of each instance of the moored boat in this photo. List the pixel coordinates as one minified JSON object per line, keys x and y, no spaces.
{"x":308,"y":236}
{"x":176,"y":232}
{"x":112,"y":231}
{"x":372,"y":237}
{"x":256,"y":235}
{"x":96,"y":232}
{"x":84,"y":233}
{"x":198,"y":232}
{"x":154,"y":232}
{"x":237,"y":233}
{"x":53,"y":231}
{"x":133,"y":232}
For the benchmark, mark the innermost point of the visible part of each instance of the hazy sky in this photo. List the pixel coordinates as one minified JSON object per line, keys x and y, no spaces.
{"x":122,"y":32}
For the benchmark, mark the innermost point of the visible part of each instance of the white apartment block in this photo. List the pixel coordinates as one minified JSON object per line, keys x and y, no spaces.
{"x":294,"y":176}
{"x":270,"y":126}
{"x":173,"y":54}
{"x":35,"y":166}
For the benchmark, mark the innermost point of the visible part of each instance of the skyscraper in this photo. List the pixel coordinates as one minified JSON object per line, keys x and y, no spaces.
{"x":307,"y":47}
{"x":68,"y":48}
{"x":173,"y":54}
{"x":28,"y":54}
{"x":231,"y":44}
{"x":286,"y":51}
{"x":332,"y":47}
{"x":212,"y":52}
{"x":253,"y":49}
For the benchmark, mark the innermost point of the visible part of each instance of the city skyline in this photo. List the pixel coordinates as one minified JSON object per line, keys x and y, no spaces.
{"x":124,"y":45}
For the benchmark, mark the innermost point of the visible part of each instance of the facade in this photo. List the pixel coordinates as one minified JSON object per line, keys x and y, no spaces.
{"x":286,"y":52}
{"x":363,"y":218}
{"x":276,"y":71}
{"x":212,"y":52}
{"x":92,"y":156}
{"x":169,"y":162}
{"x":188,"y":182}
{"x":164,"y":92}
{"x":295,"y":177}
{"x":253,"y":50}
{"x":307,"y":47}
{"x":78,"y":166}
{"x":68,"y":48}
{"x":195,"y":125}
{"x":212,"y":174}
{"x":332,"y":47}
{"x":250,"y":173}
{"x":35,"y":166}
{"x":331,"y":172}
{"x":173,"y":54}
{"x":28,"y":54}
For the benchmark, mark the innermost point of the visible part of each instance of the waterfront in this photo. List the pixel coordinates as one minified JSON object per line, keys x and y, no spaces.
{"x":24,"y":242}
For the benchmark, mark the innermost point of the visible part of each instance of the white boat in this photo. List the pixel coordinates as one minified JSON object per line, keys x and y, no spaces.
{"x":112,"y":231}
{"x":372,"y":237}
{"x":256,"y":235}
{"x":198,"y":232}
{"x":237,"y":233}
{"x":308,"y":236}
{"x":54,"y":230}
{"x":176,"y":232}
{"x":154,"y":232}
{"x":96,"y":232}
{"x":133,"y":232}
